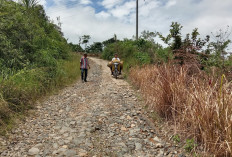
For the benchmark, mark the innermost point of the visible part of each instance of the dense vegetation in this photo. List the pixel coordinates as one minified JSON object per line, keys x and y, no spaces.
{"x":188,"y":84}
{"x":34,"y":58}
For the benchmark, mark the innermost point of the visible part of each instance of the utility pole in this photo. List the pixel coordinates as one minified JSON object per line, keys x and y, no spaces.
{"x":137,"y":19}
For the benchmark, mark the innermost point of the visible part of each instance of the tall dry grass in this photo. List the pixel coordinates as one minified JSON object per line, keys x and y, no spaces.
{"x":199,"y":104}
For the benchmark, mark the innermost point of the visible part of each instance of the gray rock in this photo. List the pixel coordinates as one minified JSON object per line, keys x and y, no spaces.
{"x":122,"y":117}
{"x":66,"y":135}
{"x":82,"y":135}
{"x":65,"y":129}
{"x":70,"y":153}
{"x":130,"y":146}
{"x":67,"y":141}
{"x":78,"y":141}
{"x":61,"y":142}
{"x":46,"y":152}
{"x":33,"y":151}
{"x":57,"y":127}
{"x":89,"y":143}
{"x":182,"y":155}
{"x":132,"y":133}
{"x":55,"y":145}
{"x":61,"y":150}
{"x":57,"y":138}
{"x":72,"y":123}
{"x":138,"y":146}
{"x":121,"y":144}
{"x":68,"y":108}
{"x":121,"y":153}
{"x":137,"y":129}
{"x":111,"y":125}
{"x":39,"y":146}
{"x":111,"y":134}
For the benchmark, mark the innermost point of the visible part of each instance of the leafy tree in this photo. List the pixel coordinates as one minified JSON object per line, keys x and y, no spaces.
{"x":96,"y":47}
{"x":191,"y":49}
{"x":76,"y":47}
{"x":85,"y":40}
{"x":29,"y":42}
{"x":194,"y":44}
{"x":29,"y":3}
{"x":109,"y":41}
{"x":217,"y":50}
{"x":221,"y":42}
{"x":175,"y":34}
{"x":147,"y":35}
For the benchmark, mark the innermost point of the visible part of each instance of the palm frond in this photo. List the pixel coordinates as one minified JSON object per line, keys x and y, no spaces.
{"x":29,"y":3}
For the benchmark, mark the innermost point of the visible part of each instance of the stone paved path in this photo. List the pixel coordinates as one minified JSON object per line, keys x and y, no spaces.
{"x":99,"y":118}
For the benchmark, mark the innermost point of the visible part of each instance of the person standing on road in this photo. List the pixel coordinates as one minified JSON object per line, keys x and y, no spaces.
{"x":84,"y":66}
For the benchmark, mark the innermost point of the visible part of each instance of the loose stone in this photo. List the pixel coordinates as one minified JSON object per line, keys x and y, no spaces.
{"x":33,"y":151}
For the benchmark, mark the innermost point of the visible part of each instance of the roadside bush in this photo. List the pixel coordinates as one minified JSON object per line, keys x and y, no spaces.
{"x":143,"y":58}
{"x":163,"y":55}
{"x":135,"y":53}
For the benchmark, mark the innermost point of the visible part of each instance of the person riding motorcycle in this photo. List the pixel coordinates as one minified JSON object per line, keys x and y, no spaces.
{"x":115,"y":59}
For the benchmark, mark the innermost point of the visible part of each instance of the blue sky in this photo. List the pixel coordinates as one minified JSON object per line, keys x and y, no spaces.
{"x":101,"y":19}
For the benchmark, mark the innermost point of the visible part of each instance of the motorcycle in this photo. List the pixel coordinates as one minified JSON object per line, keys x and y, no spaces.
{"x":115,"y":69}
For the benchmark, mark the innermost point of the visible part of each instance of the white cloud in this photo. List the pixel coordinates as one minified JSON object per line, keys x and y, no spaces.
{"x":123,"y":10}
{"x":79,"y":21}
{"x":118,"y":17}
{"x":171,"y":3}
{"x":110,"y":3}
{"x":103,"y":15}
{"x":42,"y":2}
{"x":85,"y":2}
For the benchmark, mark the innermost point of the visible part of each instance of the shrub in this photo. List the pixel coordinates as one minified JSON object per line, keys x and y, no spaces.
{"x":190,"y":145}
{"x":140,"y":52}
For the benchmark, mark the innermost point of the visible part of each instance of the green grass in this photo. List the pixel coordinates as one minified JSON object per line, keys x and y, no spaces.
{"x":70,"y":70}
{"x":19,"y":92}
